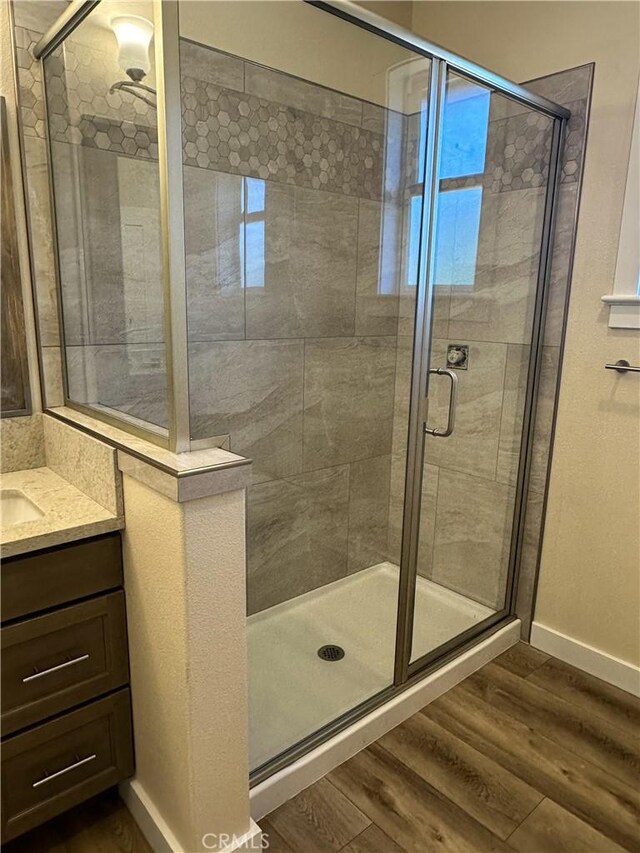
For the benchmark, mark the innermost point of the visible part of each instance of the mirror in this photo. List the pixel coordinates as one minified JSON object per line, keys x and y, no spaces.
{"x":15,"y":399}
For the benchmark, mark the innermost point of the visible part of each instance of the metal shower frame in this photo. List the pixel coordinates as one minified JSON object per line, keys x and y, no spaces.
{"x":407,"y":671}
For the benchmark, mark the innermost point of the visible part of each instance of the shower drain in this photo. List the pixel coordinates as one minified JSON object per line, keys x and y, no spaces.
{"x":331,"y":653}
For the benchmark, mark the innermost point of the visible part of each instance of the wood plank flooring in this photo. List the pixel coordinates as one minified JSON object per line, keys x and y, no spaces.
{"x":527,"y":755}
{"x":101,"y":825}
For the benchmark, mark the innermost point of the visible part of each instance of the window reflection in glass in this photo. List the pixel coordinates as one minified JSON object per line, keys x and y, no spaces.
{"x":252,"y":232}
{"x":457,"y":233}
{"x":462,"y":155}
{"x":464,"y":131}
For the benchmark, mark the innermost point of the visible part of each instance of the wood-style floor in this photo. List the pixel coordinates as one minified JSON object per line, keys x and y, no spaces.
{"x":101,"y":825}
{"x":528,"y":754}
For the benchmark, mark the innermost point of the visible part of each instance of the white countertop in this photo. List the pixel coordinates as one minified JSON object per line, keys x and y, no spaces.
{"x":68,"y":513}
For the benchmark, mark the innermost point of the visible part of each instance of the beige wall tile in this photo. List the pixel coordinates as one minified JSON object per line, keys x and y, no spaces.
{"x":560,"y":265}
{"x":66,"y":163}
{"x":515,"y":392}
{"x":472,"y":536}
{"x":275,"y":86}
{"x":41,"y":240}
{"x":52,"y":376}
{"x":373,"y":117}
{"x":297,"y":535}
{"x":215,"y":289}
{"x":565,"y":86}
{"x":251,"y":390}
{"x":211,"y":66}
{"x":428,"y":505}
{"x":402,"y":392}
{"x":348,"y":399}
{"x":544,"y":418}
{"x":38,"y":16}
{"x":473,"y":446}
{"x":377,"y":284}
{"x":499,"y":306}
{"x":309,"y":266}
{"x":368,"y":512}
{"x":129,"y":378}
{"x":525,"y":598}
{"x":396,"y":505}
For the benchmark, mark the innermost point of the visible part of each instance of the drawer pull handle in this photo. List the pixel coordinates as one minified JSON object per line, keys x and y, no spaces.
{"x":73,"y":766}
{"x":54,"y":668}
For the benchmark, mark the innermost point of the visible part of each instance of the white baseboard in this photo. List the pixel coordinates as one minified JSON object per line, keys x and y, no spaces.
{"x":595,"y":662}
{"x":285,"y":784}
{"x":153,"y":826}
{"x":251,"y":840}
{"x":161,"y":839}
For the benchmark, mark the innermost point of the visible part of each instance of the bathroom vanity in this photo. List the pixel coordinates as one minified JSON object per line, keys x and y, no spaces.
{"x":66,"y":710}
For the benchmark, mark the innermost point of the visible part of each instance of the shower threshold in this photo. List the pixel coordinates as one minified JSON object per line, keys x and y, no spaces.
{"x":294,"y":692}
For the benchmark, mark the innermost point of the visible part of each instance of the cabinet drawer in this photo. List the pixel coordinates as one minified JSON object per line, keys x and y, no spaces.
{"x":57,"y":765}
{"x":46,"y":579}
{"x":51,"y":663}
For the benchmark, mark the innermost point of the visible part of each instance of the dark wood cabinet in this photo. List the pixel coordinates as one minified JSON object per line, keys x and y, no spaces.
{"x":66,"y":709}
{"x":61,"y":659}
{"x":56,"y":765}
{"x":44,"y":579}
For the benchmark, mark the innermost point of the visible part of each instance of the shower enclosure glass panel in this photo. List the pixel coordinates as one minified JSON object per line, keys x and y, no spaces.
{"x":492,"y":175}
{"x":299,"y":176}
{"x":358,"y":219}
{"x":104,"y":164}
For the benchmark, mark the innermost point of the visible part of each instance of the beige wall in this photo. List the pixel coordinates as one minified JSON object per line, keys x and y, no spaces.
{"x":589,"y":581}
{"x":185,"y":584}
{"x":398,"y":11}
{"x":304,"y":41}
{"x":8,"y":92}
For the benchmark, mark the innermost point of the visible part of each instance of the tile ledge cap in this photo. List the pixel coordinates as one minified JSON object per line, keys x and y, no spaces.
{"x":190,"y":484}
{"x":173,"y":464}
{"x":183,"y":473}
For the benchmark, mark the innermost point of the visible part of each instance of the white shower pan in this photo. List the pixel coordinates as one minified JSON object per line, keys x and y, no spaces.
{"x":293,"y":692}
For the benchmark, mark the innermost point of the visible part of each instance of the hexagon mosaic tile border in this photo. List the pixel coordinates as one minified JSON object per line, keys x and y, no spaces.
{"x":230,"y":131}
{"x":246,"y":135}
{"x":29,"y":83}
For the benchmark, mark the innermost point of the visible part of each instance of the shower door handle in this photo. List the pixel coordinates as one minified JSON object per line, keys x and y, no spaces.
{"x":453,"y":400}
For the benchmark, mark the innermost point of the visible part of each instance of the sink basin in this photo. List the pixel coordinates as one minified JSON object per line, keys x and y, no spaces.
{"x":15,"y":507}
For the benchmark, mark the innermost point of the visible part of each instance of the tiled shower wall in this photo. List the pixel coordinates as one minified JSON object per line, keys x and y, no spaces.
{"x":572,"y":89}
{"x":315,"y":407}
{"x":353,"y":489}
{"x":292,"y":342}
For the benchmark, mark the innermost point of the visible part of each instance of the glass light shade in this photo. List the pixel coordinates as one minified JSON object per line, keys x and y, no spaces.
{"x":134,"y":35}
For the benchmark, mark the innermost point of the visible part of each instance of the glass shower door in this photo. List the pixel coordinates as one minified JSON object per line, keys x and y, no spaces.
{"x":485,"y":248}
{"x":298,"y":165}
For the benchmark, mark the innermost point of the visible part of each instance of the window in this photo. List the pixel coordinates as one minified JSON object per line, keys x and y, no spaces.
{"x":462,"y":155}
{"x":252,"y":232}
{"x":624,"y":302}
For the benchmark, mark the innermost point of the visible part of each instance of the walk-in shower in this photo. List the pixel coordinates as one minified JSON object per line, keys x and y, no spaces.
{"x":327,"y":249}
